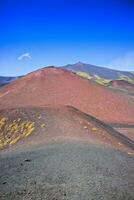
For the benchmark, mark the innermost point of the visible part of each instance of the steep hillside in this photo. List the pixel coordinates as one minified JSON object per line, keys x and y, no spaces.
{"x":36,"y":126}
{"x":53,"y":86}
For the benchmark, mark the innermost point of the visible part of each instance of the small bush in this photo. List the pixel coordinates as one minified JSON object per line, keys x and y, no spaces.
{"x":43,"y":125}
{"x":94,"y":129}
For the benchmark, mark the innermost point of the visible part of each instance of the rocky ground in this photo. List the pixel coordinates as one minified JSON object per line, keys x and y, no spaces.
{"x":69,"y":155}
{"x":71,"y":171}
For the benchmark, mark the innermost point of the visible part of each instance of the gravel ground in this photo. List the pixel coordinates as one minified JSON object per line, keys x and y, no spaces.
{"x":66,"y":171}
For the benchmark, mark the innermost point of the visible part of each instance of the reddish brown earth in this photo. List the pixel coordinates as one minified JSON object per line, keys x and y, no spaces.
{"x":123,"y":85}
{"x":70,"y":154}
{"x":63,"y":124}
{"x":52,"y":86}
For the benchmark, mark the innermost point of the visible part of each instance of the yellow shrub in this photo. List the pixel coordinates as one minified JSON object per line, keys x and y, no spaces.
{"x":94,"y":129}
{"x":14,"y":140}
{"x":11,"y":132}
{"x":43,"y":125}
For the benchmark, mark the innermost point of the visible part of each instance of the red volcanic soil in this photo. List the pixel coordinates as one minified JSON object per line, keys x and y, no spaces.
{"x":64,"y":124}
{"x":122,"y":84}
{"x":54,"y":86}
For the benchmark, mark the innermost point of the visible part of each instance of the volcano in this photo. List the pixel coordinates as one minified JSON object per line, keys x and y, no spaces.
{"x":56,"y":86}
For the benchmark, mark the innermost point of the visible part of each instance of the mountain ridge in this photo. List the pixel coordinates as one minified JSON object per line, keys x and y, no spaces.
{"x":4,"y":80}
{"x":91,"y":69}
{"x":59,"y":86}
{"x":103,"y":72}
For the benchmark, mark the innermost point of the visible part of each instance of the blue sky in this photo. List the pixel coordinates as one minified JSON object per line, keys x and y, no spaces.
{"x":37,"y":33}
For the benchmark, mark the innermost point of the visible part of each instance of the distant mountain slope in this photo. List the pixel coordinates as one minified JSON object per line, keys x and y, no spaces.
{"x":122,"y":85}
{"x":103,"y":72}
{"x":6,"y":80}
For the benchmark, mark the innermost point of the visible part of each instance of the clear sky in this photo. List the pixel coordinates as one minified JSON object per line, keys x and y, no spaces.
{"x":37,"y":33}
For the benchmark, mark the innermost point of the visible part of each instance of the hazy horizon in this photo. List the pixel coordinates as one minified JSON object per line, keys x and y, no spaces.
{"x":40,"y":67}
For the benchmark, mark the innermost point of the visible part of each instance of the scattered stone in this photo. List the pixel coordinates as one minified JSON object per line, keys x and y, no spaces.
{"x":27,"y":160}
{"x":85,"y":127}
{"x":130,"y":153}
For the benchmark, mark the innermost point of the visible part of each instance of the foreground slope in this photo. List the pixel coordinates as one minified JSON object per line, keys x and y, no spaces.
{"x":38,"y":126}
{"x":67,"y":172}
{"x":69,"y":156}
{"x":52,"y":86}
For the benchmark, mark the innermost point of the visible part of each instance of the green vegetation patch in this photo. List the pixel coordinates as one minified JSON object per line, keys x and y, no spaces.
{"x":126,"y":78}
{"x":84,"y":75}
{"x":12,"y":131}
{"x":96,"y":78}
{"x":100,"y":80}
